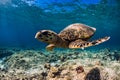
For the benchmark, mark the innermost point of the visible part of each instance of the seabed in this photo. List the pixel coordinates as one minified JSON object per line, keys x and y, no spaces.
{"x":27,"y":64}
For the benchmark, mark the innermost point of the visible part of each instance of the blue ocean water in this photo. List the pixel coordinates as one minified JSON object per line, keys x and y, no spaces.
{"x":21,"y":19}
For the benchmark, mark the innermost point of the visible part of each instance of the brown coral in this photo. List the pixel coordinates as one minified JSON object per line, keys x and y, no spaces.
{"x":79,"y":69}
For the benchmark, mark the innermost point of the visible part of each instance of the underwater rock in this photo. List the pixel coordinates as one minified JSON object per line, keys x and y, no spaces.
{"x":98,"y":63}
{"x":79,"y":69}
{"x":53,"y":72}
{"x":44,"y":75}
{"x":93,"y":74}
{"x":47,"y":65}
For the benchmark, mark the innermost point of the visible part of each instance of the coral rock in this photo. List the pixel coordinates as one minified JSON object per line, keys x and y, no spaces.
{"x":79,"y":69}
{"x":93,"y":74}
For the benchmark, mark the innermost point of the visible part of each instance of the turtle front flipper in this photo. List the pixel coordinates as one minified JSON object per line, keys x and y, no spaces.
{"x":83,"y":44}
{"x":50,"y":47}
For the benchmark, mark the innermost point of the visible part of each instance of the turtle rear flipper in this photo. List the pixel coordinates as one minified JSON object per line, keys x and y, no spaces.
{"x":83,"y":44}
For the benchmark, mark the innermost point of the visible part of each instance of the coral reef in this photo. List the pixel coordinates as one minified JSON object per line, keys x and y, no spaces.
{"x":61,"y":65}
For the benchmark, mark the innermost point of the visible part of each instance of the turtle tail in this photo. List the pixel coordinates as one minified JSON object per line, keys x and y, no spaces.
{"x":88,"y":44}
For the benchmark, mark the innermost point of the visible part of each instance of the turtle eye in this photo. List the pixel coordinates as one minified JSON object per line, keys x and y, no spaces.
{"x":40,"y":35}
{"x":45,"y":33}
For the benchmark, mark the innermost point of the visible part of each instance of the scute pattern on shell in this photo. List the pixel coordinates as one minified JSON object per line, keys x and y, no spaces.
{"x":76,"y":31}
{"x":69,"y":35}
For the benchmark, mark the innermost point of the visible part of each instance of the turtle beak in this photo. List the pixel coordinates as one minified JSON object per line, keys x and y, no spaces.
{"x":93,"y":28}
{"x":37,"y":35}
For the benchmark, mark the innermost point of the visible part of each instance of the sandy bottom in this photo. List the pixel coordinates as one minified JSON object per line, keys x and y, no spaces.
{"x":19,"y":64}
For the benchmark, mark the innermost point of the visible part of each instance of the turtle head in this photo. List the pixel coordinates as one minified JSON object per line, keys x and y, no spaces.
{"x":46,"y":36}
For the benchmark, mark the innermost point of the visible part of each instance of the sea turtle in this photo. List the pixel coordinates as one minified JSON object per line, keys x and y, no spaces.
{"x":73,"y":36}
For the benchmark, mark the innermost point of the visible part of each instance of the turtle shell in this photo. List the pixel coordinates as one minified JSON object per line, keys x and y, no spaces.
{"x":77,"y":31}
